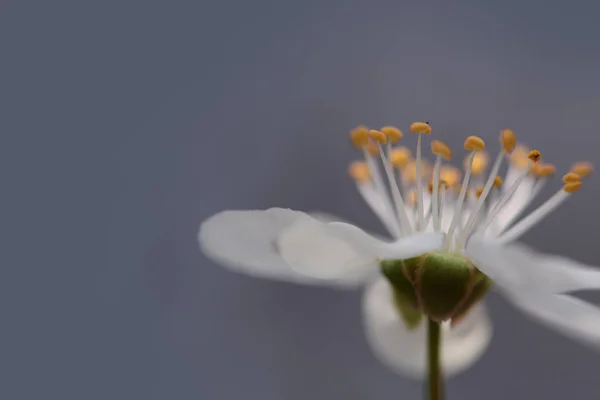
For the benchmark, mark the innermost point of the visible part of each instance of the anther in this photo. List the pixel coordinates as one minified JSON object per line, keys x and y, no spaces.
{"x":498,"y":182}
{"x":450,"y":175}
{"x":359,"y":171}
{"x":441,"y":149}
{"x":534,"y":156}
{"x":359,"y":136}
{"x":547,"y":170}
{"x":372,"y":148}
{"x":420,"y":127}
{"x":519,"y":157}
{"x":478,"y":192}
{"x":478,"y":164}
{"x":541,"y":170}
{"x":378,"y":136}
{"x":393,"y":134}
{"x":582,"y":169}
{"x":572,"y":187}
{"x":474,"y":143}
{"x":571,"y":177}
{"x":508,"y":139}
{"x":400,"y":156}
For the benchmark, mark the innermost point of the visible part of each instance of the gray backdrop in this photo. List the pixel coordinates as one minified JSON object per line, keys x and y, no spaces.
{"x":126,"y":123}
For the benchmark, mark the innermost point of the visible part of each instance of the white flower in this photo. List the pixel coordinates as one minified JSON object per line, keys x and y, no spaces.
{"x":476,"y":224}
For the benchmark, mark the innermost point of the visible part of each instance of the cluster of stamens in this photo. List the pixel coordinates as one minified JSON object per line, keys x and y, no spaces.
{"x":416,"y":193}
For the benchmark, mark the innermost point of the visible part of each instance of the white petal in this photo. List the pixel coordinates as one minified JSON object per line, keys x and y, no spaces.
{"x":570,"y":316}
{"x":245,"y":241}
{"x":325,"y":217}
{"x":406,"y":247}
{"x":516,"y":266}
{"x":315,"y":251}
{"x":405,"y":350}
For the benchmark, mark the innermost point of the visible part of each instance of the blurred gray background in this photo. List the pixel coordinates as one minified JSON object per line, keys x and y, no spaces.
{"x":126,"y":123}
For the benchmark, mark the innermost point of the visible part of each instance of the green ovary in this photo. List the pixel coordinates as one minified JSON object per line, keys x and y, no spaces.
{"x":442,"y":286}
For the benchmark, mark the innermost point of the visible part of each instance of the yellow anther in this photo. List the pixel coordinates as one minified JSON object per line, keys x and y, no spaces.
{"x":393,"y":134}
{"x":547,"y":170}
{"x":420,"y":127}
{"x":571,"y":177}
{"x":378,"y":136}
{"x":478,"y":192}
{"x":372,"y":148}
{"x":359,"y":136}
{"x":534,"y":156}
{"x":474,"y":143}
{"x":536,"y":169}
{"x":498,"y":182}
{"x":441,"y":149}
{"x":480,"y":163}
{"x":400,"y":156}
{"x":508,"y":139}
{"x":359,"y":171}
{"x":541,"y":169}
{"x":572,"y":187}
{"x":430,"y":187}
{"x":450,"y":175}
{"x":409,"y":172}
{"x":582,"y":169}
{"x":519,"y":157}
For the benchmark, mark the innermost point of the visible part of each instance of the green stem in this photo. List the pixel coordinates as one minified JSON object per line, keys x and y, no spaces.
{"x":435,"y":380}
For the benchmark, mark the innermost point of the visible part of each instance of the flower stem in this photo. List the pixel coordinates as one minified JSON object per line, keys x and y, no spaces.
{"x":435,"y":380}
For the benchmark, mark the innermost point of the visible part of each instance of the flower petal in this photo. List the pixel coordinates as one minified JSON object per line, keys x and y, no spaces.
{"x":405,"y":350}
{"x":312,"y":249}
{"x":406,"y":247}
{"x":570,"y":316}
{"x":245,"y":241}
{"x":517,"y":266}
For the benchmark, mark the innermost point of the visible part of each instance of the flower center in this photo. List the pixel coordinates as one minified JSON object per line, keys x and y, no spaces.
{"x":412,"y":196}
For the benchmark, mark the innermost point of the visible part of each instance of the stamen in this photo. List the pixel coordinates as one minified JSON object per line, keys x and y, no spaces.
{"x":533,"y":156}
{"x":479,"y":163}
{"x":398,"y":201}
{"x":537,"y":215}
{"x":377,"y":136}
{"x":400,"y":157}
{"x":508,"y":140}
{"x":359,"y":171}
{"x":474,"y":144}
{"x":370,"y":150}
{"x":440,"y":150}
{"x":359,"y":136}
{"x":571,"y":177}
{"x":450,"y":175}
{"x":542,"y":171}
{"x":442,"y":204}
{"x":582,"y":169}
{"x":420,"y":128}
{"x":393,"y":134}
{"x":519,"y":157}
